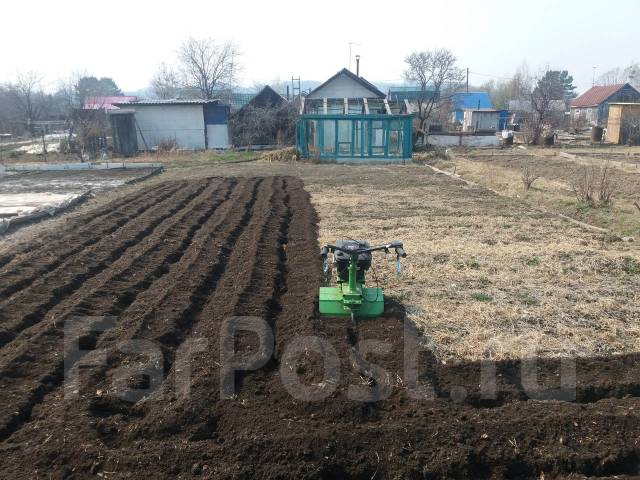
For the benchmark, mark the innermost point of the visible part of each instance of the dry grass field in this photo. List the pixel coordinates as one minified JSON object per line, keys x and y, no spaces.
{"x":488,"y":276}
{"x":501,"y":170}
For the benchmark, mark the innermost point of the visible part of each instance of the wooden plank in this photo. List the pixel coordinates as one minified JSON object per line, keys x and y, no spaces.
{"x":386,"y":106}
{"x":346,"y":106}
{"x":408,"y":106}
{"x":301,"y":104}
{"x":567,"y":155}
{"x":325,"y":107}
{"x":366,"y":106}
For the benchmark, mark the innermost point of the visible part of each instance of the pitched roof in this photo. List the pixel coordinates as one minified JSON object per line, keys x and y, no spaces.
{"x":267,"y":97}
{"x":108,"y":103}
{"x":353,"y":76}
{"x":465,"y":100}
{"x":596,"y":95}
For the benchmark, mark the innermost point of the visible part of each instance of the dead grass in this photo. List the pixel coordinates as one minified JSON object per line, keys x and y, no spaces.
{"x":554,"y":189}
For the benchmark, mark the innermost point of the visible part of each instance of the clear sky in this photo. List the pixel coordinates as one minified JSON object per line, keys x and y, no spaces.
{"x":126,"y":40}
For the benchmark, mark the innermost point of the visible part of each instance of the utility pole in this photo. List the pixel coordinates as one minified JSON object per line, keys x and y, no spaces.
{"x":467,"y":79}
{"x":295,"y":88}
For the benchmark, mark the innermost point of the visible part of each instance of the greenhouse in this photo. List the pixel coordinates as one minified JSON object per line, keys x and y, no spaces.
{"x":347,"y":119}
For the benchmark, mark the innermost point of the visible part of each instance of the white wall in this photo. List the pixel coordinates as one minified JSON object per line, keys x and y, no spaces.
{"x":342,"y":87}
{"x":463,"y":140}
{"x":185,"y":123}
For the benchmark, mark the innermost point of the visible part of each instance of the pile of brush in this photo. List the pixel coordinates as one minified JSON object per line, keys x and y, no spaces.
{"x":288,"y":154}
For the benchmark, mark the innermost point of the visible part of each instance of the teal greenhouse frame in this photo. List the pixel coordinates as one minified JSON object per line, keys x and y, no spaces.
{"x":355,"y":137}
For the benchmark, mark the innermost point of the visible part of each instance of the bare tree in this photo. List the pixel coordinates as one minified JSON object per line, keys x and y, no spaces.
{"x":25,"y":92}
{"x":610,"y":77}
{"x":207,"y":65}
{"x":630,"y":74}
{"x":432,"y":71}
{"x":166,"y":82}
{"x":630,"y":130}
{"x":528,"y":175}
{"x":595,"y":185}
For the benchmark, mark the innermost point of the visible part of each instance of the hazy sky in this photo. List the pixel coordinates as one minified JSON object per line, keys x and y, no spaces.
{"x":127,"y":40}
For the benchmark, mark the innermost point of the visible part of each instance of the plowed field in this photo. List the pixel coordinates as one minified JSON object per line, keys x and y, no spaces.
{"x":132,"y":300}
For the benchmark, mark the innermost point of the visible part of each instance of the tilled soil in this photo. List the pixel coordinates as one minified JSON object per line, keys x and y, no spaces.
{"x":158,"y":274}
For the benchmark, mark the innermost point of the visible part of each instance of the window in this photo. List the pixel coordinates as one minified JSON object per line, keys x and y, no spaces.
{"x":329,"y":137}
{"x":344,"y":137}
{"x":378,"y":138}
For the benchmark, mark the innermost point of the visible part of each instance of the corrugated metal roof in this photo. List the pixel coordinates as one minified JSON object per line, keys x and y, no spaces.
{"x":596,"y":95}
{"x":97,"y":103}
{"x":408,"y":92}
{"x":194,"y":101}
{"x":464,"y":100}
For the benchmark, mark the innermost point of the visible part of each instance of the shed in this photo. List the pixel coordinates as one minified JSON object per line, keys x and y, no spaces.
{"x":348,"y":119}
{"x":623,"y":124}
{"x":249,"y":126}
{"x":192,"y":124}
{"x":462,"y":101}
{"x":481,"y":120}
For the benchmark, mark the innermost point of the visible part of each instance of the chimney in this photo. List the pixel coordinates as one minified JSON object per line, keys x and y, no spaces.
{"x":358,"y":65}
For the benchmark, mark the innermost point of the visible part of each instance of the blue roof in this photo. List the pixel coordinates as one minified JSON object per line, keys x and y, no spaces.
{"x":463,"y":100}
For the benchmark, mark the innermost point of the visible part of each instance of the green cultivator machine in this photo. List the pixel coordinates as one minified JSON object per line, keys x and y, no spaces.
{"x":352,"y":258}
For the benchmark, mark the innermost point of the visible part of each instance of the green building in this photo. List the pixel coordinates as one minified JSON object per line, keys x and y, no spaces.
{"x":347,"y":119}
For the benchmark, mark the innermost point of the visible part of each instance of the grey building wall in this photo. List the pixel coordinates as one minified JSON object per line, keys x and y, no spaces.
{"x":218,"y":136}
{"x":185,"y":123}
{"x":480,"y":120}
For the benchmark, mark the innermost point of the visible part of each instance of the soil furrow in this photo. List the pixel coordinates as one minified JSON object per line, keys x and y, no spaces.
{"x":165,"y":251}
{"x":30,"y":305}
{"x":203,"y":262}
{"x":95,"y":215}
{"x":28,"y":267}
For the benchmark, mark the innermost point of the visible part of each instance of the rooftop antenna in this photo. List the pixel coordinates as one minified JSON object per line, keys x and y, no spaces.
{"x":593,"y":83}
{"x":351,"y":44}
{"x":358,"y":65}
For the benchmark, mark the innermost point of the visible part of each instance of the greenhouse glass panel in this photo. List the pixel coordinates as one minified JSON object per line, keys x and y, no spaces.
{"x":344,"y":137}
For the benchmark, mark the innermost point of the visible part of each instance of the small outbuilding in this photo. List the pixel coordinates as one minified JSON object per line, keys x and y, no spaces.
{"x":263,"y":122}
{"x":483,"y":120}
{"x":623,"y":126}
{"x":348,"y":119}
{"x":187,"y":124}
{"x":462,"y":101}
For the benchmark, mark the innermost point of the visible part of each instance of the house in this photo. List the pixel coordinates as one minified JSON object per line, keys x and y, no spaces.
{"x":623,"y":125}
{"x":410,"y":94}
{"x":483,"y":120}
{"x":348,"y":119}
{"x":106,"y":103}
{"x":593,"y":105}
{"x":462,"y":101}
{"x":191,"y":124}
{"x":245,"y":123}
